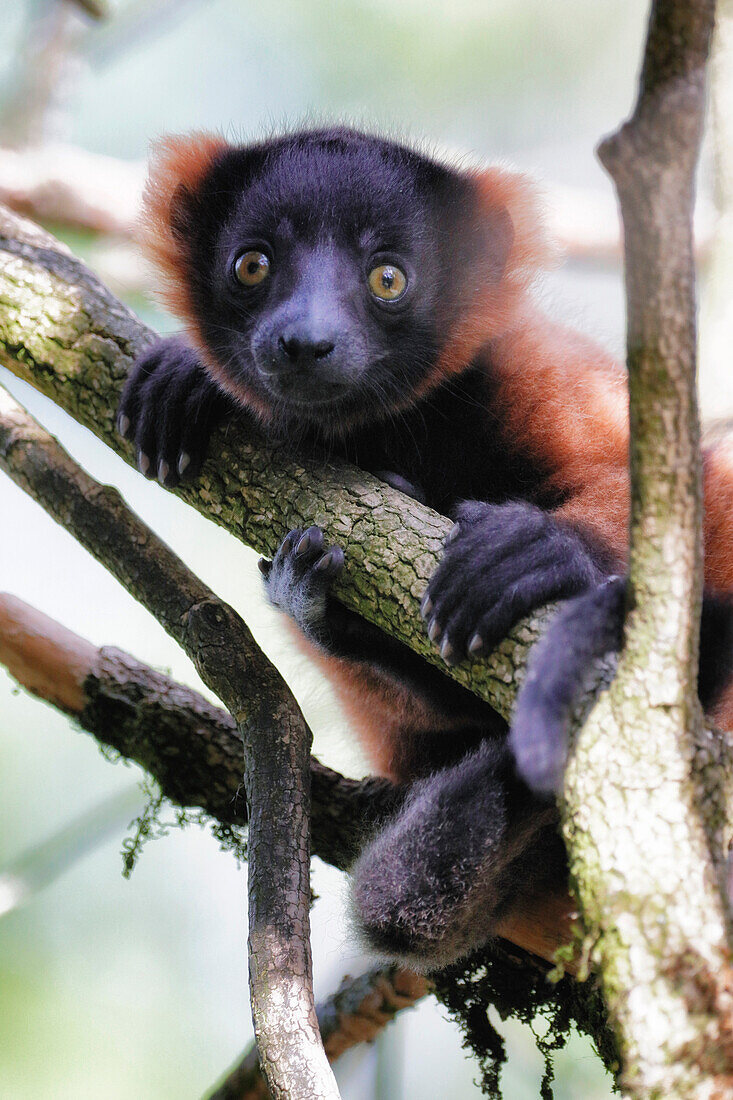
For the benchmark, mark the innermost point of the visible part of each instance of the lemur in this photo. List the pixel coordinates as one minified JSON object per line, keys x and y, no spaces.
{"x":356,"y":295}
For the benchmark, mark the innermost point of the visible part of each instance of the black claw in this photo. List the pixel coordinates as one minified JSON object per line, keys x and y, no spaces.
{"x":123,"y":425}
{"x":452,"y":534}
{"x":331,"y":562}
{"x":434,"y":630}
{"x":447,"y":652}
{"x":475,"y":645}
{"x":426,"y":605}
{"x":143,"y":463}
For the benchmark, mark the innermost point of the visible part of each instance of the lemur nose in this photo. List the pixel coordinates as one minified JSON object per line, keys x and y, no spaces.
{"x":299,"y":349}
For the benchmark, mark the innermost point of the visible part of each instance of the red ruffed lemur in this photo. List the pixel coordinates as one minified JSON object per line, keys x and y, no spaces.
{"x":355,"y":295}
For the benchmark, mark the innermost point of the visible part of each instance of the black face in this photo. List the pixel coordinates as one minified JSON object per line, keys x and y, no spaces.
{"x":324,"y":267}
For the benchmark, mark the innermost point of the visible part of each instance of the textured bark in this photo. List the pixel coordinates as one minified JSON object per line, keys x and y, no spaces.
{"x":356,"y":1013}
{"x":275,"y":738}
{"x":62,"y":331}
{"x":644,"y":798}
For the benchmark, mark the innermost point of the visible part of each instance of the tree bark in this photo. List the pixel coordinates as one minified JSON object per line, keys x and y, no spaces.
{"x":359,"y":1010}
{"x":642,"y":810}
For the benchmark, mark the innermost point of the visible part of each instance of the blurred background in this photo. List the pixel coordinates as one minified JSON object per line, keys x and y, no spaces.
{"x":137,"y":990}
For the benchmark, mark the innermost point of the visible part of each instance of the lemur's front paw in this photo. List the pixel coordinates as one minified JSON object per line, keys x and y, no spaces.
{"x":500,"y":562}
{"x":298,"y":578}
{"x":169,"y":407}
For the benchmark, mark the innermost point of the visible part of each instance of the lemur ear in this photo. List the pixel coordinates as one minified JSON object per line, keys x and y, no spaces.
{"x":179,"y":165}
{"x":501,"y":225}
{"x":509,"y":206}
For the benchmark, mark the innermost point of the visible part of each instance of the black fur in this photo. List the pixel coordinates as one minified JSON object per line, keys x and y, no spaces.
{"x":585,"y":629}
{"x":327,"y":366}
{"x":170,"y":407}
{"x":434,"y":881}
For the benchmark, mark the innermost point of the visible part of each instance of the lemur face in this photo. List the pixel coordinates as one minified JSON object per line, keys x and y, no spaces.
{"x":323,"y":270}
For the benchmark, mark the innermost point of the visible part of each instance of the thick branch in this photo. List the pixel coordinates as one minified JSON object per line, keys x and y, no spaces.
{"x":642,"y":806}
{"x":275,"y":737}
{"x":63,"y":332}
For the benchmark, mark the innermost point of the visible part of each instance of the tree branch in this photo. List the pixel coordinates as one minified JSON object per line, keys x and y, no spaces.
{"x":275,"y":738}
{"x":192,"y":748}
{"x":62,"y":331}
{"x":643,"y":806}
{"x":359,"y":1010}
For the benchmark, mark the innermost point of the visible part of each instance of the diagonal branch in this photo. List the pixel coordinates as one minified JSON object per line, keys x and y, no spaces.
{"x":275,"y":738}
{"x":66,"y":334}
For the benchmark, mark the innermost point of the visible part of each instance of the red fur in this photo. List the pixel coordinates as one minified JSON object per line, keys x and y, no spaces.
{"x":180,"y":160}
{"x":718,"y":521}
{"x":721,"y":715}
{"x":565,"y":400}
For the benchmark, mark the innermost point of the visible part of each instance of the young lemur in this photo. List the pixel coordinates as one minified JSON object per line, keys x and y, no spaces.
{"x":353,"y":293}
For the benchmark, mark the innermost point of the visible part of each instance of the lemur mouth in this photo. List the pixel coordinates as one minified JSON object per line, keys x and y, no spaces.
{"x":304,"y":392}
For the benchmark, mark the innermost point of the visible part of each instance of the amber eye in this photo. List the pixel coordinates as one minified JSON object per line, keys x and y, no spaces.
{"x":387,"y":282}
{"x":251,"y":268}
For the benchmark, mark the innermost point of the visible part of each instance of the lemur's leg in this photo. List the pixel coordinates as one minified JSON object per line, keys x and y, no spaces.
{"x":467,"y":844}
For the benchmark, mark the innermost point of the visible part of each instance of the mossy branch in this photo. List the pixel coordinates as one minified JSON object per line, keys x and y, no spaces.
{"x":63,"y":332}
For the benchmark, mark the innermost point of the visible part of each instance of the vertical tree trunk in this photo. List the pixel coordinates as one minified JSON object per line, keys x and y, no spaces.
{"x":641,"y":813}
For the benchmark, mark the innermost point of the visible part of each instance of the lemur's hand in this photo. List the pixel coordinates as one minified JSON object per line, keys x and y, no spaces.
{"x":169,"y":407}
{"x":500,"y":562}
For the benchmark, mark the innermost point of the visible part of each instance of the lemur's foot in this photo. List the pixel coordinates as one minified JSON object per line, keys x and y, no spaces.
{"x":299,"y":577}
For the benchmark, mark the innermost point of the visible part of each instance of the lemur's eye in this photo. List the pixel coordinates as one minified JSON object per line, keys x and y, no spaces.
{"x":252,"y":268}
{"x":387,"y":282}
